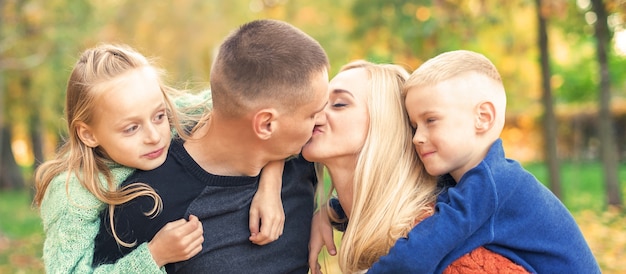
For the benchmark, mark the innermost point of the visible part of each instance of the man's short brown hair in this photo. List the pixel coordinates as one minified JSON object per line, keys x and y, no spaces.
{"x":265,"y":63}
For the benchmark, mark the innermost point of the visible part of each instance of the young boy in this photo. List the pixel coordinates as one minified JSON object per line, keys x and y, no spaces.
{"x":456,"y":103}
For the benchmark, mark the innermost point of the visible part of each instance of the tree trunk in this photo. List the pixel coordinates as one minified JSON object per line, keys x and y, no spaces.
{"x":10,"y":173}
{"x":549,"y":120}
{"x":607,"y":138}
{"x":34,"y":125}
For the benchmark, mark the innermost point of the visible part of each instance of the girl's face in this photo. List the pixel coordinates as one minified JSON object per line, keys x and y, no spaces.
{"x":130,"y":122}
{"x":341,"y":137}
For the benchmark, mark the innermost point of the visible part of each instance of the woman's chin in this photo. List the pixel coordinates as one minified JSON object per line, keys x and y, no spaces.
{"x":309,"y":153}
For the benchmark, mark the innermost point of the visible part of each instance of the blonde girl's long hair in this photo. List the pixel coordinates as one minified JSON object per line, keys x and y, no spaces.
{"x":97,"y":67}
{"x":392,"y":190}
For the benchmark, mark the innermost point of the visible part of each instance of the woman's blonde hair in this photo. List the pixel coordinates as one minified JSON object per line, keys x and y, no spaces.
{"x":96,"y":68}
{"x":392,"y":190}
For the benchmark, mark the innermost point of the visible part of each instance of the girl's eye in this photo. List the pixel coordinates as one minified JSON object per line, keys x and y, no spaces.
{"x":338,"y":105}
{"x":430,"y":120}
{"x":131,"y":129}
{"x":160,"y":117}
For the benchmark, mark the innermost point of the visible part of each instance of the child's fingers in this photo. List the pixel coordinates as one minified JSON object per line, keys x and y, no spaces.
{"x":281,"y":228}
{"x":256,"y":235}
{"x":199,"y":230}
{"x":254,"y":222}
{"x":174,"y":224}
{"x":192,"y":237}
{"x":189,"y":227}
{"x":271,"y":228}
{"x":195,"y":250}
{"x":260,"y":239}
{"x":196,"y":243}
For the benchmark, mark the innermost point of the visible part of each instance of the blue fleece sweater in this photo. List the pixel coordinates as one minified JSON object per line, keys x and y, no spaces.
{"x":503,"y":207}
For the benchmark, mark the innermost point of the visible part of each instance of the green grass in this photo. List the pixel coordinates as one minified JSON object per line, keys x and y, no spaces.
{"x":582,"y":184}
{"x":24,"y":219}
{"x":21,"y":234}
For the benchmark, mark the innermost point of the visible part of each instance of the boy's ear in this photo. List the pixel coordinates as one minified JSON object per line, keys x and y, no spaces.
{"x":264,"y":123}
{"x":485,"y":116}
{"x":85,"y":134}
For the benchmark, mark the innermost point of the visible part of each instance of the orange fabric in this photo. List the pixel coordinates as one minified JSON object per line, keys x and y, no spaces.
{"x":482,"y":260}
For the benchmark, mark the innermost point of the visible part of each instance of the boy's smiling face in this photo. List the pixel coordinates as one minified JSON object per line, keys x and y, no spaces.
{"x":443,"y":117}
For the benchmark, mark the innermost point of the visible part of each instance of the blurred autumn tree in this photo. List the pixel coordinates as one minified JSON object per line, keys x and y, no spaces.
{"x":609,"y":152}
{"x":40,"y":40}
{"x":549,"y":120}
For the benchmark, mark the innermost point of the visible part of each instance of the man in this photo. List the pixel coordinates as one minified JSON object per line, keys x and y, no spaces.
{"x":269,"y":85}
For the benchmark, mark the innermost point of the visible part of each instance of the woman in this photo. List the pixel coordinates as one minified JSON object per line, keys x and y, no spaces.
{"x":365,"y":145}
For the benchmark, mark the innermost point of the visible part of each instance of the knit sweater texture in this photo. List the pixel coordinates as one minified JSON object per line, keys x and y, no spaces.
{"x":502,"y":207}
{"x":71,"y":220}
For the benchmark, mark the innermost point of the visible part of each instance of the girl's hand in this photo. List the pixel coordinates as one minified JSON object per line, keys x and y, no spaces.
{"x":177,"y":241}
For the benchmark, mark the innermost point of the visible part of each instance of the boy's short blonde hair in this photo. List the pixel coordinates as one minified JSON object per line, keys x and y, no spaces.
{"x":480,"y":77}
{"x":451,"y":64}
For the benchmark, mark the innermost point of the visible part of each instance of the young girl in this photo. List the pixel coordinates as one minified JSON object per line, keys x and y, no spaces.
{"x":118,"y":117}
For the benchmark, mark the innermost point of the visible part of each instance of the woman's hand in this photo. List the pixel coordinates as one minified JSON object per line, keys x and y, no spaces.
{"x":321,"y":235}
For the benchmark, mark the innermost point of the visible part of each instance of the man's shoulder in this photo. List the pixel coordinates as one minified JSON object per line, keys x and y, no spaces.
{"x":299,"y":161}
{"x":297,"y":165}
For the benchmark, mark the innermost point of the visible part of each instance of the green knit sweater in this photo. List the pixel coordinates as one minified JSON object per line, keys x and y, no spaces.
{"x":71,"y":219}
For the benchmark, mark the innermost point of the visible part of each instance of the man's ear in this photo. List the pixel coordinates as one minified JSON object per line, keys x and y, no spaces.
{"x":85,"y":134}
{"x":485,"y":116}
{"x":264,"y":123}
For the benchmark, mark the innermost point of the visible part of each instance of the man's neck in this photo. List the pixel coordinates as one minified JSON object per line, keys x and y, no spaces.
{"x":224,"y":151}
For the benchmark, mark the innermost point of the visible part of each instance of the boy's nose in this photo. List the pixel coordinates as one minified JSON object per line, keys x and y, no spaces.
{"x":419,"y":137}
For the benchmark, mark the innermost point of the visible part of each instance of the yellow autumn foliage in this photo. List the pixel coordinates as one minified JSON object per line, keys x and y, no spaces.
{"x":606,"y":234}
